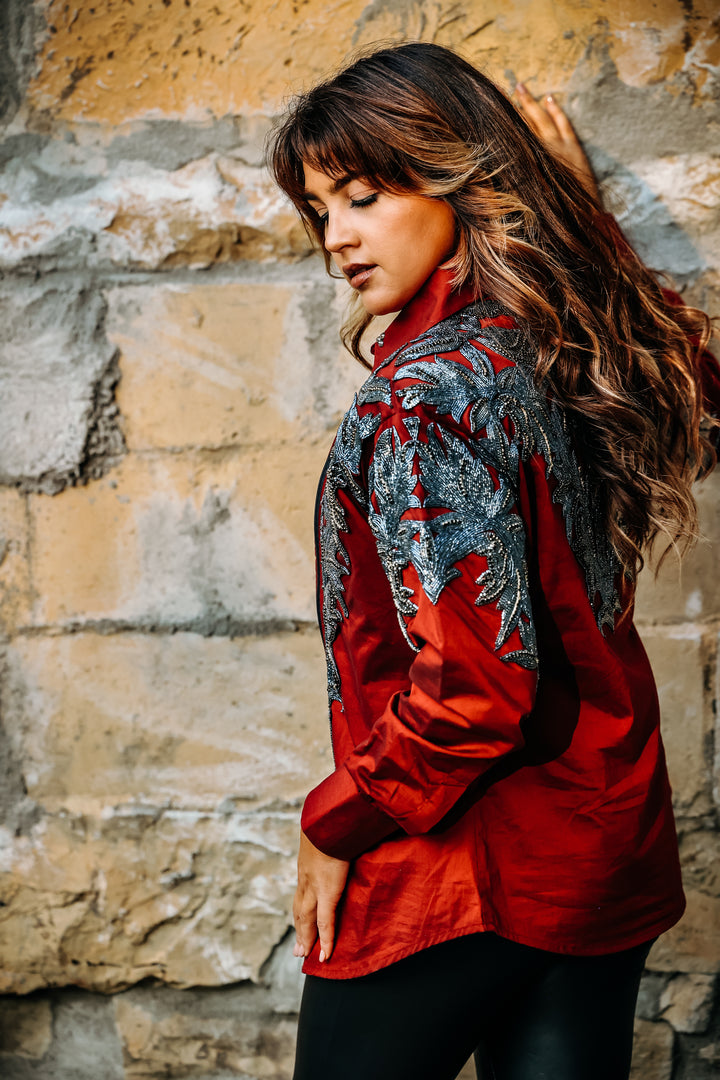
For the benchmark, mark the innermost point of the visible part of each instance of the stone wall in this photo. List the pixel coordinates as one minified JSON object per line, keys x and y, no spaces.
{"x":171,"y":380}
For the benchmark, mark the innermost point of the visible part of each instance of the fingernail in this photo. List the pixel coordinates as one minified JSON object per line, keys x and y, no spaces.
{"x":520,"y":87}
{"x":321,"y":957}
{"x":550,"y":98}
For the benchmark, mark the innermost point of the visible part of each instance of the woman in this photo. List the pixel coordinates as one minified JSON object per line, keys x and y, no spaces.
{"x":495,"y":851}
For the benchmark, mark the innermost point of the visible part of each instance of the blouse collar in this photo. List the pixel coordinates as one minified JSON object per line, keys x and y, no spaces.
{"x":436,"y":300}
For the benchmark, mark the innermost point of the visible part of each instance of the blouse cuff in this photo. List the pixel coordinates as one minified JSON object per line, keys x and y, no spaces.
{"x":341,"y":821}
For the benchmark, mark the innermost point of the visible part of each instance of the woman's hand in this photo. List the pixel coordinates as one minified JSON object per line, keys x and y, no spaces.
{"x":321,"y":882}
{"x":550,"y":124}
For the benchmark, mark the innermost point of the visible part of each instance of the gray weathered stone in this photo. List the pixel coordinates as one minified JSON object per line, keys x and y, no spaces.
{"x":25,"y":1028}
{"x":57,"y":374}
{"x":83,"y":1043}
{"x":64,"y":205}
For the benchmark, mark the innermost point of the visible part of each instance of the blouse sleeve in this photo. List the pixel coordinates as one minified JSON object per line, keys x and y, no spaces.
{"x":444,"y":513}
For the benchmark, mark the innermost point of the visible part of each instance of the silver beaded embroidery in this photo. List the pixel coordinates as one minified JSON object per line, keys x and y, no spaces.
{"x":480,"y":514}
{"x":538,"y":426}
{"x":341,"y":474}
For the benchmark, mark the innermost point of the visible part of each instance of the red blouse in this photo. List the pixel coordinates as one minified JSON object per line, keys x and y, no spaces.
{"x":495,"y":727}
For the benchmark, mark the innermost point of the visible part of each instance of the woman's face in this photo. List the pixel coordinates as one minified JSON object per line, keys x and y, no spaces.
{"x":386,"y":245}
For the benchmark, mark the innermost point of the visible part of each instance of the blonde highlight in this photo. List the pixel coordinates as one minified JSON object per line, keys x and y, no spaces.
{"x":618,"y":355}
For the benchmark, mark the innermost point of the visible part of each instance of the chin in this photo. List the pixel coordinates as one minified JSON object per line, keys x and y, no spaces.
{"x":377,"y":306}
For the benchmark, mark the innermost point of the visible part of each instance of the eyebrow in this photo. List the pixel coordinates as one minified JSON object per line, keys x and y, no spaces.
{"x":337,"y":185}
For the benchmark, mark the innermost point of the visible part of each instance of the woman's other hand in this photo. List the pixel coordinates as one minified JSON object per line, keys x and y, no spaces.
{"x":550,"y":124}
{"x":321,"y":882}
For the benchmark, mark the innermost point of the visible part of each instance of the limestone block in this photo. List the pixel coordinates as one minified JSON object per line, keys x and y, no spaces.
{"x":670,"y":209}
{"x":14,"y":568}
{"x":160,"y":720}
{"x":214,"y":59}
{"x":60,"y":213}
{"x":283,"y":975}
{"x":652,"y":1051}
{"x":680,"y":657}
{"x":689,"y":591}
{"x":230,"y":364}
{"x":211,"y":542}
{"x":85,"y":1043}
{"x":710,"y":1053}
{"x":103,"y":902}
{"x":54,"y":354}
{"x":693,"y":945}
{"x":25,"y":1028}
{"x":700,"y":858}
{"x":209,"y":1037}
{"x":687,"y":1001}
{"x":170,"y":770}
{"x":652,"y":985}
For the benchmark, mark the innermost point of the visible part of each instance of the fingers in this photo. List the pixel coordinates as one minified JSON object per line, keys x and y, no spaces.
{"x":549,"y":122}
{"x":542,"y":122}
{"x":313,"y":919}
{"x":326,"y":926}
{"x":562,"y":124}
{"x":321,"y":882}
{"x":305,"y":920}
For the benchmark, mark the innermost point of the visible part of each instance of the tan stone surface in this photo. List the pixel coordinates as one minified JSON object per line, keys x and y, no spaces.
{"x":230,"y":364}
{"x":687,"y":1002}
{"x":160,"y":720}
{"x":693,"y":945}
{"x":700,"y":857}
{"x":687,"y":591}
{"x":25,"y":1028}
{"x":119,"y":63}
{"x":652,"y":1051}
{"x":185,"y":1044}
{"x":14,"y":566}
{"x":680,"y":657}
{"x":189,"y":898}
{"x":184,"y":539}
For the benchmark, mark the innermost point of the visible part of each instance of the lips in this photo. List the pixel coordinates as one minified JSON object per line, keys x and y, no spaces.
{"x":358,"y":273}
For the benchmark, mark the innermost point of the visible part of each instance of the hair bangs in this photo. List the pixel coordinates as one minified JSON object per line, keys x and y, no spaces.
{"x":318,"y":134}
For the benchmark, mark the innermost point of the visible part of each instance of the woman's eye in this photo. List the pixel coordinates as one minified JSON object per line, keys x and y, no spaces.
{"x":367,"y":200}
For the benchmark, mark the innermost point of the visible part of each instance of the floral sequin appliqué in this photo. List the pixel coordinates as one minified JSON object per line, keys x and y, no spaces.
{"x":477,"y":513}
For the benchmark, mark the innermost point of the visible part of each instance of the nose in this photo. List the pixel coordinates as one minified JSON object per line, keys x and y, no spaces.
{"x":339,"y":233}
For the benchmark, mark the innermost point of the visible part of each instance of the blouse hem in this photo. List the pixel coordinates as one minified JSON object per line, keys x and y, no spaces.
{"x":547,"y":943}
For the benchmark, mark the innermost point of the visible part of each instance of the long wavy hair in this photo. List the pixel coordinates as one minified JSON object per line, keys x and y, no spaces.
{"x":619,"y":358}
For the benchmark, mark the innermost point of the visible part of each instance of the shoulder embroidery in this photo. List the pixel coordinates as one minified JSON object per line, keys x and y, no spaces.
{"x":478,"y":513}
{"x":538,"y":426}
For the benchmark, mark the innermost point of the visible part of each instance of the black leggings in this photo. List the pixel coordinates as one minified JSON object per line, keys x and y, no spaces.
{"x":526,"y":1013}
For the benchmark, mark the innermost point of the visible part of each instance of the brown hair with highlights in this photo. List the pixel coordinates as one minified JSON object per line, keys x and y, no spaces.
{"x":619,"y":358}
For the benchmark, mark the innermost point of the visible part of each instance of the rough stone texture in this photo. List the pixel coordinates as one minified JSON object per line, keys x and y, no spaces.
{"x":689,"y":649}
{"x":14,"y":565}
{"x":652,"y":1051}
{"x":84,"y":1041}
{"x":66,"y":200}
{"x":247,"y":363}
{"x":687,"y":591}
{"x":211,"y":542}
{"x":171,"y":378}
{"x":25,"y":1028}
{"x":687,"y":1001}
{"x":57,"y":370}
